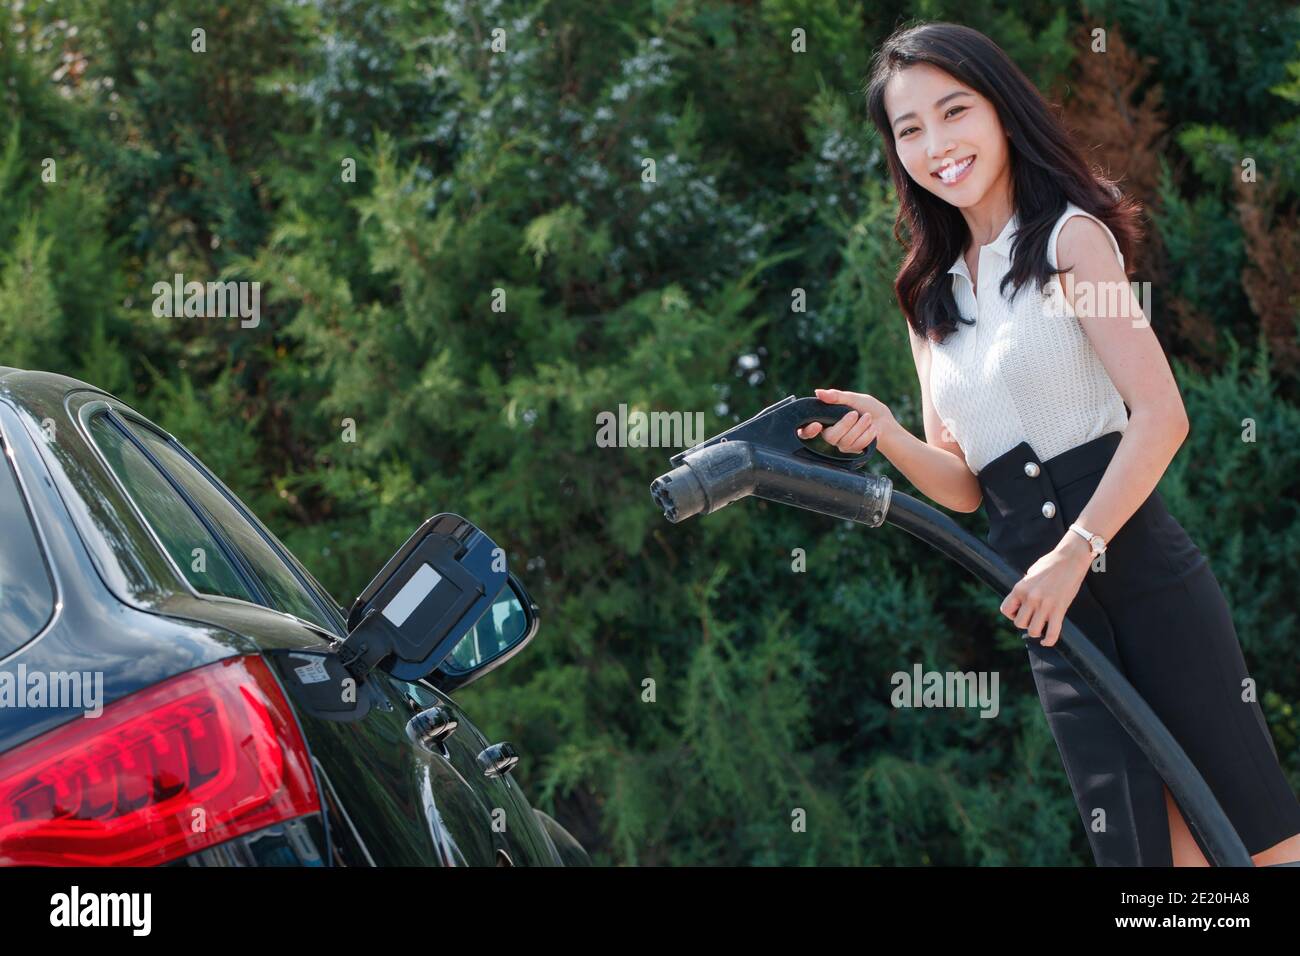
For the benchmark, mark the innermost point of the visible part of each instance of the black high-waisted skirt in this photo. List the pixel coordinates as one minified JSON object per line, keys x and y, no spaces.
{"x":1157,"y":611}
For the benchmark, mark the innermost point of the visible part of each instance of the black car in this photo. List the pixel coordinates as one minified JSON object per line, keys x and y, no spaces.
{"x":177,"y":689}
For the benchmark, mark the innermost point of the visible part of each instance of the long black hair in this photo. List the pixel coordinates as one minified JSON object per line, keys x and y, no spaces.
{"x":1047,"y":172}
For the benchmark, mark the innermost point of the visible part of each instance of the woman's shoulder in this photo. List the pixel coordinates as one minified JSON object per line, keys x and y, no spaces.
{"x":1072,"y":210}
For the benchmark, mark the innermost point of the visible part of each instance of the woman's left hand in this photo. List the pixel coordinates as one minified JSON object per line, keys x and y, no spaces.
{"x":1040,"y":599}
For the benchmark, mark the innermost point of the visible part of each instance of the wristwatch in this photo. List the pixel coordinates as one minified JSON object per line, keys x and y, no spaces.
{"x":1095,"y":541}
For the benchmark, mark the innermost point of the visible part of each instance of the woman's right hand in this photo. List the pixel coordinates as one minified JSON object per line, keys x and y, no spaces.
{"x":858,"y":428}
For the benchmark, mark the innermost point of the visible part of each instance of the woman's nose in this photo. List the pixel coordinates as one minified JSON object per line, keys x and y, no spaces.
{"x":939,"y":148}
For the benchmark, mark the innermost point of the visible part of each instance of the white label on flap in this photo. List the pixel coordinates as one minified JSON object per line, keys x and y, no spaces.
{"x":412,"y":594}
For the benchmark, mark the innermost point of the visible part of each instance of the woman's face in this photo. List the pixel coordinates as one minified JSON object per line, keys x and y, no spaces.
{"x":941,"y":125}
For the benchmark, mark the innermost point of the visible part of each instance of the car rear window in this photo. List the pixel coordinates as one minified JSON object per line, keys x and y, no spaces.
{"x":285,"y":591}
{"x":196,"y":552}
{"x":26,"y":591}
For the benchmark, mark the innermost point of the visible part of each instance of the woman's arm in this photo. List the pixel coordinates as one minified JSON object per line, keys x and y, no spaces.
{"x":940,"y":474}
{"x":1110,"y":314}
{"x":1157,"y":425}
{"x":936,"y":466}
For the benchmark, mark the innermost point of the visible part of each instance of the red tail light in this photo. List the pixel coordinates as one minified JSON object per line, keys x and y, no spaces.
{"x":183,"y":765}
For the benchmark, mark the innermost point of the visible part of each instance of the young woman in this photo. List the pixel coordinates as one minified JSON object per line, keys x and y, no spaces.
{"x":1029,"y":344}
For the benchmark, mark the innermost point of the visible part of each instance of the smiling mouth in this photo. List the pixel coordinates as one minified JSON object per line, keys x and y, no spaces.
{"x":955,"y":172}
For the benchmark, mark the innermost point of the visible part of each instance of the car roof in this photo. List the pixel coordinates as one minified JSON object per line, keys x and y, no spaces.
{"x":22,"y":385}
{"x":40,"y":397}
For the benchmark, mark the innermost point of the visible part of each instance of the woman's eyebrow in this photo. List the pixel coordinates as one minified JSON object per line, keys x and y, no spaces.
{"x":937,"y":103}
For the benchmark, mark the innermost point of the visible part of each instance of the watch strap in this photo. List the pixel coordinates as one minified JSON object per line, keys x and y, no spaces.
{"x":1089,"y":536}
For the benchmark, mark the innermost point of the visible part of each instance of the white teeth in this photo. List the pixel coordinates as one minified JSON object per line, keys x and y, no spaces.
{"x":950,"y":173}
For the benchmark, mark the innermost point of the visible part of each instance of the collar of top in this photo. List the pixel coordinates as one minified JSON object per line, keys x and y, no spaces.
{"x":1001,"y":245}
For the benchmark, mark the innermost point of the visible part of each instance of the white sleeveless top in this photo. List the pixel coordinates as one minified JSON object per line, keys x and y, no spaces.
{"x":1025,"y":371}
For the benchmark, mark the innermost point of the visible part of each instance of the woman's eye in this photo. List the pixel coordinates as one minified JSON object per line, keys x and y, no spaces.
{"x":947,"y":115}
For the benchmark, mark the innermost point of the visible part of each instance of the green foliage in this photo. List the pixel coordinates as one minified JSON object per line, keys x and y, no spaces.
{"x":1206,"y":252}
{"x":30,"y":318}
{"x":1243,"y":455}
{"x":1214,"y":61}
